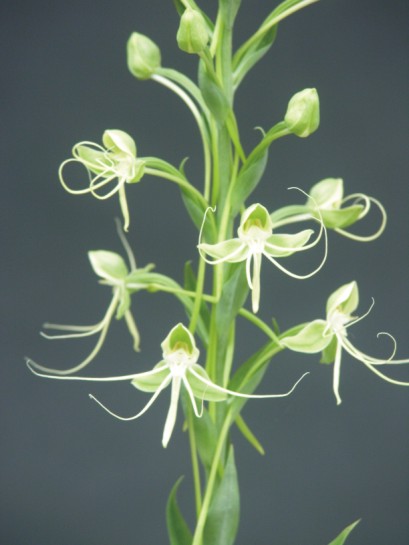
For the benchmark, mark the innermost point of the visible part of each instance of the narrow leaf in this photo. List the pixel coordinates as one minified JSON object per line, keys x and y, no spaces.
{"x":223,"y":517}
{"x":249,"y":435}
{"x":178,"y":530}
{"x":341,"y":538}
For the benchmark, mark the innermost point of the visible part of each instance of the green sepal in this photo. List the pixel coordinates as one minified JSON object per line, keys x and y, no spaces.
{"x":248,"y":434}
{"x":94,"y":160}
{"x":249,"y":176}
{"x":328,"y":354}
{"x":226,"y":248}
{"x":223,"y":517}
{"x":118,"y":141}
{"x":289,"y":243}
{"x":288,"y":211}
{"x":339,"y":219}
{"x":151,"y":383}
{"x":202,"y":391}
{"x":178,"y":531}
{"x":341,"y":538}
{"x":345,"y":299}
{"x":213,"y":95}
{"x":124,"y":304}
{"x":108,"y":265}
{"x":310,"y":340}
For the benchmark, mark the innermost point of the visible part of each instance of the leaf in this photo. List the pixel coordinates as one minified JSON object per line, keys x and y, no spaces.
{"x":249,"y":435}
{"x":223,"y":517}
{"x":205,"y":431}
{"x":248,"y":179}
{"x":190,"y":285}
{"x":253,"y":55}
{"x":214,"y":97}
{"x":235,"y":290}
{"x":178,"y":530}
{"x":229,"y":9}
{"x":341,"y":538}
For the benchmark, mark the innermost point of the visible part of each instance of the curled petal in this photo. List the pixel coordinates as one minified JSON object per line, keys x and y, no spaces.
{"x":215,"y":387}
{"x":367,"y":206}
{"x":232,"y":250}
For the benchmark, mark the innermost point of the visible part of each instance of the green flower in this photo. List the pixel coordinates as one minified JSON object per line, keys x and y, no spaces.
{"x":330,"y":337}
{"x":115,"y":162}
{"x":112,"y":271}
{"x":177,"y":368}
{"x":256,"y":239}
{"x":339,"y":212}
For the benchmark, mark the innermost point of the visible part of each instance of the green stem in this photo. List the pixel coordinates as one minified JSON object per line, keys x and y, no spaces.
{"x":198,"y":535}
{"x":200,"y":123}
{"x":198,"y":295}
{"x":195,"y":462}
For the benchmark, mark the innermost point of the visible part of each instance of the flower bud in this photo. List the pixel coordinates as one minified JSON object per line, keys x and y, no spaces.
{"x":303,"y":113}
{"x":193,"y":35}
{"x":143,"y":56}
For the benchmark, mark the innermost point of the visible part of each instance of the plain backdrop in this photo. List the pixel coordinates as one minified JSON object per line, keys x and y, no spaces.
{"x":70,"y":474}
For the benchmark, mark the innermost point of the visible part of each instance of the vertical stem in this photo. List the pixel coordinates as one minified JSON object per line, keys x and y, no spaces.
{"x":198,"y":535}
{"x":195,"y":462}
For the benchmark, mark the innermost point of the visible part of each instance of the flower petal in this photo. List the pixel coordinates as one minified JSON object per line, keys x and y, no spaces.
{"x":310,"y":340}
{"x":232,"y":250}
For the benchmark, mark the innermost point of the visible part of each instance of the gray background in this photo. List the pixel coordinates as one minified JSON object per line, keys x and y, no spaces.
{"x":69,"y":473}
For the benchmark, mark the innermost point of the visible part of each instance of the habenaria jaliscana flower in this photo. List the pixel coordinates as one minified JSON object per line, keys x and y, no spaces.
{"x":113,"y":163}
{"x":330,"y":337}
{"x":326,"y":202}
{"x":113,"y":271}
{"x":178,"y":367}
{"x":256,"y":239}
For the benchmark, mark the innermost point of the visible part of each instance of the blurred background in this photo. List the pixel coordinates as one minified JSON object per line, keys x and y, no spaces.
{"x":70,"y":474}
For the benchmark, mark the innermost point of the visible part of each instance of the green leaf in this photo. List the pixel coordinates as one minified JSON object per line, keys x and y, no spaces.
{"x":235,"y":290}
{"x":248,"y":179}
{"x":206,"y":433}
{"x":341,"y":538}
{"x":190,"y":285}
{"x":178,"y":530}
{"x":214,"y":97}
{"x":223,"y":517}
{"x":253,"y":55}
{"x":229,"y":9}
{"x":248,"y":434}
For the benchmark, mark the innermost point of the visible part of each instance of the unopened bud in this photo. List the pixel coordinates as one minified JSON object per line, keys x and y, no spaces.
{"x":143,"y":56}
{"x":193,"y":35}
{"x":303,"y":113}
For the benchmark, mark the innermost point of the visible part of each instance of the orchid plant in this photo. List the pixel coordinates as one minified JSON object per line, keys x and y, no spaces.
{"x":214,"y":392}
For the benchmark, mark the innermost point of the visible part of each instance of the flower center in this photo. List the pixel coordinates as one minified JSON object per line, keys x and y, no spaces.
{"x":337,"y":321}
{"x":125,"y":167}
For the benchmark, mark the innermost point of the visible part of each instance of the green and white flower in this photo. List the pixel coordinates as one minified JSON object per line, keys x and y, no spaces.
{"x":256,"y":239}
{"x":327,"y":203}
{"x":178,"y":367}
{"x":112,"y":271}
{"x":114,"y":162}
{"x":330,"y":337}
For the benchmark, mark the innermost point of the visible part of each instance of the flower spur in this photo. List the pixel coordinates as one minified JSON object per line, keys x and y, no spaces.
{"x":178,"y":367}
